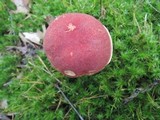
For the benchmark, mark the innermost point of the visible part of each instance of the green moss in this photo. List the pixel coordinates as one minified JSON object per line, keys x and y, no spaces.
{"x":7,"y":68}
{"x":134,"y":27}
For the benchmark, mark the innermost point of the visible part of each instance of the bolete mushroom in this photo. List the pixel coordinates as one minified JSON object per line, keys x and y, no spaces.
{"x":78,"y":44}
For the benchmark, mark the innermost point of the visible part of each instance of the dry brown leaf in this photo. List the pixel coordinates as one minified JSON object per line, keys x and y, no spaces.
{"x":22,"y":6}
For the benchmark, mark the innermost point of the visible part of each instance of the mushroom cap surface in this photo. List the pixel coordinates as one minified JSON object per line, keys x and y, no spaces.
{"x":77,"y":44}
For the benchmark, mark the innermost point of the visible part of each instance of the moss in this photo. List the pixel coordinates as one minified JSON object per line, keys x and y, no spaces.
{"x":134,"y":27}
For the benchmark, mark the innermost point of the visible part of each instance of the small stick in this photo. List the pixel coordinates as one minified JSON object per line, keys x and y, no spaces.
{"x":81,"y":118}
{"x":137,"y":91}
{"x":149,"y":3}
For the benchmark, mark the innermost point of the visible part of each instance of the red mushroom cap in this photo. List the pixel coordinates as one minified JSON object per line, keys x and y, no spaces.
{"x":77,"y":44}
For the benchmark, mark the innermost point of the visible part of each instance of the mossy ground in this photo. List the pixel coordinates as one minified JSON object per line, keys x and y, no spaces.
{"x":135,"y":29}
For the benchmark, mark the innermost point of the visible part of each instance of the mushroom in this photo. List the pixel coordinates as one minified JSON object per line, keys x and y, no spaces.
{"x":78,"y":44}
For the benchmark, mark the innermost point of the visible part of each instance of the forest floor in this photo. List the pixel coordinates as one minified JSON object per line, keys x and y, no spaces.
{"x":127,"y":89}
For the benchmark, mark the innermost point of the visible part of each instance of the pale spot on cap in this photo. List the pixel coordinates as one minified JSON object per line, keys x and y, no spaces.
{"x":71,"y":53}
{"x":71,"y":27}
{"x":69,"y":73}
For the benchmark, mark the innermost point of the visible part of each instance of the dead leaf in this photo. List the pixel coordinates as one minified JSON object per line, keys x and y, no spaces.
{"x":22,"y":6}
{"x":24,"y":40}
{"x":44,"y":30}
{"x":4,"y":117}
{"x":3,"y":104}
{"x":7,"y":116}
{"x":7,"y":83}
{"x":33,"y":37}
{"x":23,"y":49}
{"x":102,"y":12}
{"x":49,"y":19}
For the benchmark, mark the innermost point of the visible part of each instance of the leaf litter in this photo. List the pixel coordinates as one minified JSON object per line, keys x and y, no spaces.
{"x":7,"y":116}
{"x":138,"y":91}
{"x":27,"y":47}
{"x":29,"y":43}
{"x":3,"y":104}
{"x":23,"y":6}
{"x":49,"y":19}
{"x":33,"y":38}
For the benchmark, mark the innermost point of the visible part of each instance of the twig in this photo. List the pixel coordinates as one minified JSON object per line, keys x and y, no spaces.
{"x":149,"y":3}
{"x":93,"y":97}
{"x":137,"y":91}
{"x":81,"y":118}
{"x":59,"y":103}
{"x":48,"y":71}
{"x":83,"y":99}
{"x":64,"y":118}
